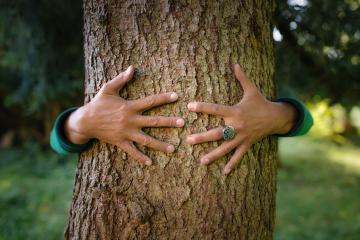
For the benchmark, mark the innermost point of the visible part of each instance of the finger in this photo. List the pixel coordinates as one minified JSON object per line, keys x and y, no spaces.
{"x":120,"y":80}
{"x":159,"y":121}
{"x":209,"y":108}
{"x":218,"y":152}
{"x":154,"y":100}
{"x":135,"y":153}
{"x":148,"y":141}
{"x":246,"y":84}
{"x":234,"y":160}
{"x":211,"y":135}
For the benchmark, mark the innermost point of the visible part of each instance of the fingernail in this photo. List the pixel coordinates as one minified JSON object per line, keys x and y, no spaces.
{"x":191,"y":106}
{"x":148,"y":163}
{"x":227,"y":170}
{"x":170,"y":149}
{"x":190,"y":140}
{"x":180,"y":122}
{"x":204,"y":160}
{"x":128,"y":69}
{"x":173,"y":96}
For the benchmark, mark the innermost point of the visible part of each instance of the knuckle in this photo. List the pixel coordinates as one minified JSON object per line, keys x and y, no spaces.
{"x":106,"y":86}
{"x":196,"y":138}
{"x":227,"y":148}
{"x":130,"y":153}
{"x":172,"y":121}
{"x":150,"y":101}
{"x":119,"y":76}
{"x":247,"y":144}
{"x":135,"y":105}
{"x":146,"y":141}
{"x":155,"y":121}
{"x":216,"y":108}
{"x":211,"y":157}
{"x":232,"y":164}
{"x":218,"y":134}
{"x":140,"y":158}
{"x":162,"y":146}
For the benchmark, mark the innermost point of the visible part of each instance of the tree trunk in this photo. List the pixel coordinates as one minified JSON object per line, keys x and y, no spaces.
{"x":187,"y":47}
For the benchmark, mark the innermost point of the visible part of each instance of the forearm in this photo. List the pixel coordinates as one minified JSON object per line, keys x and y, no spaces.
{"x":65,"y":140}
{"x":284,"y":115}
{"x":74,"y":125}
{"x":293,"y":116}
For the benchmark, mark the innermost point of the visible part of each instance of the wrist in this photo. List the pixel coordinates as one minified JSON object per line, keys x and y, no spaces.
{"x":284,"y":115}
{"x":75,"y":127}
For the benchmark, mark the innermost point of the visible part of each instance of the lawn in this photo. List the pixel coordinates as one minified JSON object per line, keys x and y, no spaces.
{"x":318,"y":194}
{"x":35,"y":193}
{"x":318,"y":191}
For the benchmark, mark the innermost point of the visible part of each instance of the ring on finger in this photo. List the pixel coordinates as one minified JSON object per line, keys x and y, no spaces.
{"x":228,"y":133}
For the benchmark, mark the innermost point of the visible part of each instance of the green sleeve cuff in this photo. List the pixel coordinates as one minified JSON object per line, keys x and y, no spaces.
{"x":58,"y":141}
{"x":304,"y":120}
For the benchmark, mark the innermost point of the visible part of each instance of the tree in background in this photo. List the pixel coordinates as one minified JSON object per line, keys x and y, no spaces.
{"x":318,"y":49}
{"x":41,"y":64}
{"x":188,"y":48}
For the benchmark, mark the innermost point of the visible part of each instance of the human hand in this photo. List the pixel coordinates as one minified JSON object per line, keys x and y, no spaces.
{"x":253,"y":118}
{"x":118,"y":121}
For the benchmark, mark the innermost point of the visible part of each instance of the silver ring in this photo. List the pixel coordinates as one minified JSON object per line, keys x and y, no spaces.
{"x":228,"y":133}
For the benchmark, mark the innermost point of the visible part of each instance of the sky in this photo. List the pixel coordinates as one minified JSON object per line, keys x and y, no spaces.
{"x":301,"y":3}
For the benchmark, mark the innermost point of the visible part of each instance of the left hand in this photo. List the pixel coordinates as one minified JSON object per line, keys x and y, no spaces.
{"x":253,"y":118}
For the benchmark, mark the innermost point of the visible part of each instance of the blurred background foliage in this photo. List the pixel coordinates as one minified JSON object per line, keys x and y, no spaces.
{"x":41,"y":64}
{"x":318,"y":49}
{"x":317,"y":44}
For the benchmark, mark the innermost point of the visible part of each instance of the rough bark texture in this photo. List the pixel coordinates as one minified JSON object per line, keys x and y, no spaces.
{"x":187,"y":47}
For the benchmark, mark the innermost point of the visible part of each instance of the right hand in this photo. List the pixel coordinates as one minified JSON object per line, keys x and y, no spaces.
{"x":118,"y":121}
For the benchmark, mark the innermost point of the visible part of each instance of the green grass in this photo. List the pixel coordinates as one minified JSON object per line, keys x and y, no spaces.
{"x":35,"y":193}
{"x":318,"y":191}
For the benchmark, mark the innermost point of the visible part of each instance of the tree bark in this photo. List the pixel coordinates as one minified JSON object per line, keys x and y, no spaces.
{"x":187,"y":47}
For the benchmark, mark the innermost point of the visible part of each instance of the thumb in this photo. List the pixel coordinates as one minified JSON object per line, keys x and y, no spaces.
{"x":118,"y":82}
{"x":246,"y":84}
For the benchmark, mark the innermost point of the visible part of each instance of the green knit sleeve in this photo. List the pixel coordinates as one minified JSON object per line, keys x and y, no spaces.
{"x":58,"y":141}
{"x":304,"y":119}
